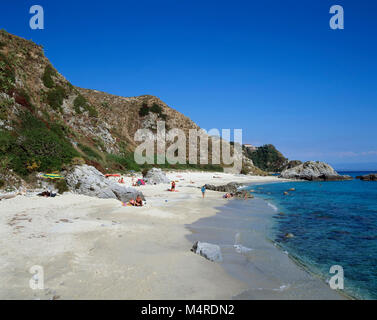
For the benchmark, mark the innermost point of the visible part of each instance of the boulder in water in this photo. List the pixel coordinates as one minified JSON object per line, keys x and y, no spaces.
{"x":209,"y":251}
{"x":368,"y":177}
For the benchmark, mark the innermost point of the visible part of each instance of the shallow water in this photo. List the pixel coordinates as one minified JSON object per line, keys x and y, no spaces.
{"x":333,"y":223}
{"x":240,"y":229}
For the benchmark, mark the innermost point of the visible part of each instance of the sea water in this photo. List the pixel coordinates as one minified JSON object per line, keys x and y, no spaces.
{"x":240,"y":229}
{"x":333,"y":223}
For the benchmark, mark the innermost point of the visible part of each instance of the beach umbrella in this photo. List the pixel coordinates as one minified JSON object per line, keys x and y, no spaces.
{"x":52,"y":176}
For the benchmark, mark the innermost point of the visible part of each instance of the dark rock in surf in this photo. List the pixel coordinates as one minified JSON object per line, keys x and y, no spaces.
{"x":368,"y":177}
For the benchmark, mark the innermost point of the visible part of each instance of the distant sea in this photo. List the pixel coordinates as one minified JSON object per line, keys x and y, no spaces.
{"x":333,"y":223}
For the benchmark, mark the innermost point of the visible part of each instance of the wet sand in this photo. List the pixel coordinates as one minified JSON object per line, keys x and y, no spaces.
{"x":240,"y":228}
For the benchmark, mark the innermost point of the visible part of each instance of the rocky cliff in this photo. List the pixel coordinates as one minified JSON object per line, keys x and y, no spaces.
{"x":47,"y":123}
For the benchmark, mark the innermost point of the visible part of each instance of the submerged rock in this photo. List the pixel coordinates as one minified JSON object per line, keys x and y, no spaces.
{"x":87,"y":180}
{"x":209,"y":251}
{"x":368,"y":177}
{"x":156,"y":176}
{"x":313,"y":171}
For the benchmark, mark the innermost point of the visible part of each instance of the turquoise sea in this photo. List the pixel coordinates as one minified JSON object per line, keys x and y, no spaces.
{"x":333,"y":223}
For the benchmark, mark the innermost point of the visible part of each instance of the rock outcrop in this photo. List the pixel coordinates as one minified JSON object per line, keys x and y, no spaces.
{"x":313,"y":171}
{"x":156,"y":176}
{"x":209,"y":251}
{"x":292,"y":164}
{"x":87,"y":180}
{"x":368,"y":177}
{"x":231,"y":187}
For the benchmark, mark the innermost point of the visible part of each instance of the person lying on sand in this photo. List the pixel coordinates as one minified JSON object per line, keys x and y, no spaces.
{"x":46,"y":194}
{"x":135,"y":203}
{"x":138,"y":202}
{"x":228,"y":195}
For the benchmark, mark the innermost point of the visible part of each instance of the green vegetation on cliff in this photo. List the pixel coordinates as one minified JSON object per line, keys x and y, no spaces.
{"x":267,"y":158}
{"x":34,"y":146}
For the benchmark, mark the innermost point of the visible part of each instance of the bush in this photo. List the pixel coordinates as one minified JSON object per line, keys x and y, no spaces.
{"x":267,"y":158}
{"x":55,"y":97}
{"x":79,"y":103}
{"x":144,"y":110}
{"x":2,"y":183}
{"x":127,"y":161}
{"x":156,"y":108}
{"x":89,"y":152}
{"x":92,"y":111}
{"x":7,"y":74}
{"x":61,"y":185}
{"x":47,"y":76}
{"x":35,"y":143}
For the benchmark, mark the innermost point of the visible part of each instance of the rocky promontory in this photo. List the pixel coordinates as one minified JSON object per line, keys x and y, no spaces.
{"x":313,"y":171}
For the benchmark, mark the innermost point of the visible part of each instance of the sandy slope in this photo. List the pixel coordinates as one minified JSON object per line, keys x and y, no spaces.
{"x":97,"y":249}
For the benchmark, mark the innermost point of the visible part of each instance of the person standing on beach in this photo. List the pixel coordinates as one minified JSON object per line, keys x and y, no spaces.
{"x":203,"y":191}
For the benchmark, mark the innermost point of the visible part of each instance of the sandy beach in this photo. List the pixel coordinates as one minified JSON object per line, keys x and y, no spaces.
{"x":91,"y":248}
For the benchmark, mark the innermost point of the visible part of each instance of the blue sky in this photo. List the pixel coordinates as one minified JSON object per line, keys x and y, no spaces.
{"x":272,"y":68}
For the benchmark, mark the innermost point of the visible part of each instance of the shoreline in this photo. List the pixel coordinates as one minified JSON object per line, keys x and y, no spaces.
{"x":268,"y":271}
{"x":96,"y":249}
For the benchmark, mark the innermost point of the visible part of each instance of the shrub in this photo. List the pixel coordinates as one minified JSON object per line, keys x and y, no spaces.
{"x":156,"y":108}
{"x":127,"y":161}
{"x":35,"y":143}
{"x":47,"y":76}
{"x":2,"y":183}
{"x":55,"y":97}
{"x":267,"y":158}
{"x":144,"y":110}
{"x":89,"y":152}
{"x":7,"y":74}
{"x":79,"y":103}
{"x":61,"y":185}
{"x":92,"y":111}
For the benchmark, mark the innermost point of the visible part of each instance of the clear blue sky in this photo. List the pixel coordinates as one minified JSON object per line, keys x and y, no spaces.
{"x":273,"y":68}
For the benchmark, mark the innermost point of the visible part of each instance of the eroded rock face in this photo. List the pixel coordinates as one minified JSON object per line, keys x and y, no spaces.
{"x":156,"y":176}
{"x":291,"y":164}
{"x":87,"y":180}
{"x":313,"y":171}
{"x":209,"y":251}
{"x":368,"y":177}
{"x":231,"y":187}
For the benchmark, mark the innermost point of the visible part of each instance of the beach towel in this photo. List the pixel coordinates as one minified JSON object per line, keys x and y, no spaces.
{"x":52,"y":176}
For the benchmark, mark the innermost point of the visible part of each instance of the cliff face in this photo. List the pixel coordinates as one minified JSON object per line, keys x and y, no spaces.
{"x":46,"y":122}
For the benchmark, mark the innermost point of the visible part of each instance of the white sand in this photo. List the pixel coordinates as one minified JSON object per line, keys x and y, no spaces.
{"x":97,"y":249}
